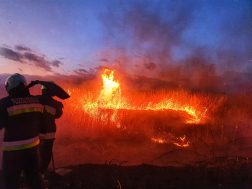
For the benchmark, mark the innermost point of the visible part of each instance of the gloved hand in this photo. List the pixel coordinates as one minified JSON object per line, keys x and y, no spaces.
{"x":32,"y":83}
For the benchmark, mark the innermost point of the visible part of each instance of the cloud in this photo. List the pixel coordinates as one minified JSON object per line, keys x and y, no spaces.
{"x":22,"y":48}
{"x":10,"y":54}
{"x":38,"y":61}
{"x":91,"y":71}
{"x":34,"y":59}
{"x":150,"y":66}
{"x":104,"y":60}
{"x":81,"y":71}
{"x":56,"y":63}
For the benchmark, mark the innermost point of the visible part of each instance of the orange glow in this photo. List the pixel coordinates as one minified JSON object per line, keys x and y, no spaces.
{"x":178,"y":142}
{"x":110,"y":87}
{"x":161,"y":141}
{"x":109,"y":106}
{"x":110,"y":98}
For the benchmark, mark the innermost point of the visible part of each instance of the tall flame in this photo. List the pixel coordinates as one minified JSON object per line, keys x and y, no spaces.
{"x":110,"y":87}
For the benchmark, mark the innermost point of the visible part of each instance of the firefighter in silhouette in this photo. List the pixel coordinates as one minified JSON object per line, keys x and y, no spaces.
{"x":53,"y":110}
{"x":21,"y":115}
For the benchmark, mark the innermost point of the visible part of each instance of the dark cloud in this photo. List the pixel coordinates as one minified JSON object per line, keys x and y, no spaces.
{"x":10,"y":54}
{"x":56,"y":63}
{"x":91,"y":71}
{"x":150,"y":66}
{"x":22,"y":48}
{"x":81,"y":71}
{"x":104,"y":60}
{"x":38,"y":61}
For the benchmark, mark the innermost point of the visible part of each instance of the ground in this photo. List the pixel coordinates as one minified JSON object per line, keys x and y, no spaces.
{"x":114,"y":175}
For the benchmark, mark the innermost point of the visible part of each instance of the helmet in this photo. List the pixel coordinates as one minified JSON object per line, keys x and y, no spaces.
{"x":43,"y":87}
{"x":14,"y":81}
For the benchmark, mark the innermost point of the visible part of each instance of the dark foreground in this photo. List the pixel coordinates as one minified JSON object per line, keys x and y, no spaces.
{"x":113,"y":176}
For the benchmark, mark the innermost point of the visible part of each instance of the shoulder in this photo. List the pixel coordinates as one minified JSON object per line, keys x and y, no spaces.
{"x":57,"y":103}
{"x":4,"y":100}
{"x":60,"y":104}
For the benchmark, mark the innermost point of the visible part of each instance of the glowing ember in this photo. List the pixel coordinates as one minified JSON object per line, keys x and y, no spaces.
{"x":171,"y":139}
{"x":161,"y":141}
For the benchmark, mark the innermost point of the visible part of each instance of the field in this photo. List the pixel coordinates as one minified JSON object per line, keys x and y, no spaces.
{"x":156,"y":149}
{"x":153,"y":139}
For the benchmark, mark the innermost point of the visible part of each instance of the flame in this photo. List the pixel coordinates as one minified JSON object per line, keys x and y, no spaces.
{"x":110,"y":87}
{"x":171,"y":139}
{"x":110,"y":98}
{"x":106,"y":108}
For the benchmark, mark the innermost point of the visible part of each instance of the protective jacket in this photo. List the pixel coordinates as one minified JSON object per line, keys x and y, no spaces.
{"x":53,"y":110}
{"x":21,"y":116}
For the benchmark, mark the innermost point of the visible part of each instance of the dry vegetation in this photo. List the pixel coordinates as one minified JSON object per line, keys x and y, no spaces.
{"x":218,"y":156}
{"x":226,"y":123}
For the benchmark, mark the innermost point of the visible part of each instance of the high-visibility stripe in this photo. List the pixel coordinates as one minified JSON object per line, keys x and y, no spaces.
{"x":24,"y":108}
{"x":20,"y":145}
{"x":47,"y":135}
{"x":50,"y":109}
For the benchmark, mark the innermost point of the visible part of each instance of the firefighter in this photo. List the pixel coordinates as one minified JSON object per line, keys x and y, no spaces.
{"x":53,"y":110}
{"x":21,"y":115}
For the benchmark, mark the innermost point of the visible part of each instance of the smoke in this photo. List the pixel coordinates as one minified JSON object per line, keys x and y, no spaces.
{"x":196,"y":45}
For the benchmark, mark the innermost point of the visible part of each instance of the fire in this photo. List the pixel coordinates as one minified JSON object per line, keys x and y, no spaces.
{"x":110,"y":98}
{"x":110,"y":87}
{"x":171,"y":139}
{"x":108,"y":106}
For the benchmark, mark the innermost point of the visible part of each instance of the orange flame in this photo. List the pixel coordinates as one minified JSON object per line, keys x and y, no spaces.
{"x":110,"y":87}
{"x":104,"y":108}
{"x":110,"y":98}
{"x":178,"y":142}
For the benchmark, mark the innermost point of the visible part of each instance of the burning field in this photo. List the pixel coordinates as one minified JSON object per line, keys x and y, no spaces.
{"x":163,"y":127}
{"x":204,"y":135}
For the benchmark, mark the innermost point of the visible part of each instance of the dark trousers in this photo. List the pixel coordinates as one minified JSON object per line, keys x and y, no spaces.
{"x":16,"y":161}
{"x":45,"y":149}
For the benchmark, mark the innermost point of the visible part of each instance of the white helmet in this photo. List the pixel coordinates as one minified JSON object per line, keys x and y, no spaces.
{"x":14,"y":81}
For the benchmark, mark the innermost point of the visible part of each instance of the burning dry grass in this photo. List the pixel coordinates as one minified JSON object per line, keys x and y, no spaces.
{"x":225,"y":132}
{"x":119,"y":123}
{"x":144,"y":112}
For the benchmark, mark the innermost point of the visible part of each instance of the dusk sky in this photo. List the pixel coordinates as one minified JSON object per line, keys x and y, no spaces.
{"x":47,"y":37}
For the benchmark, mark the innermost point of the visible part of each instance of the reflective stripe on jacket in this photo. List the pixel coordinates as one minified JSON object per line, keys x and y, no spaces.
{"x":24,"y":108}
{"x":47,"y":136}
{"x":50,"y":109}
{"x":20,"y":145}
